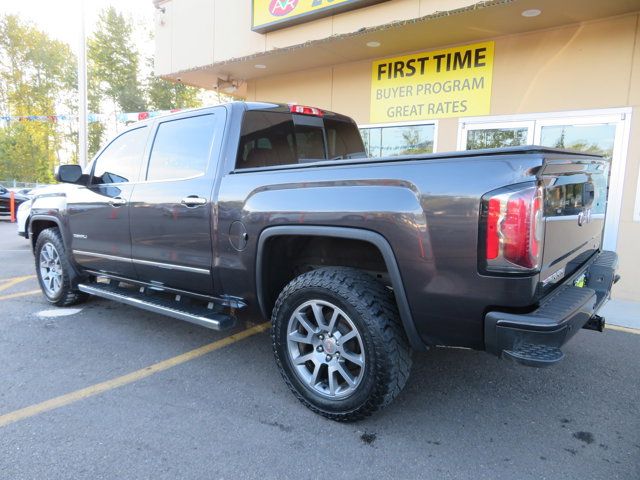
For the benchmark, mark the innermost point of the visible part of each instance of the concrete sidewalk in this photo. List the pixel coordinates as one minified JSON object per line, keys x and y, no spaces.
{"x":624,"y":313}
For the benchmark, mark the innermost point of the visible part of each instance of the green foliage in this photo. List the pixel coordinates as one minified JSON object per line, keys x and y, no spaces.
{"x":114,"y":74}
{"x":38,"y":77}
{"x":496,"y":138}
{"x":37,"y":74}
{"x":165,"y":95}
{"x":413,"y":142}
{"x":113,"y":62}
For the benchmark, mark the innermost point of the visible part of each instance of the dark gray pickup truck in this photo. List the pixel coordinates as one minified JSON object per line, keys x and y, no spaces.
{"x":226,"y":212}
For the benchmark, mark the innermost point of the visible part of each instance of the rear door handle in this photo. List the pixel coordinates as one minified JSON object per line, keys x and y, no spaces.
{"x":194,"y":201}
{"x":117,"y":202}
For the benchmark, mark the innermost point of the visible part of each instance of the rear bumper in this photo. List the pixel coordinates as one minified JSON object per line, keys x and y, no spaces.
{"x":535,"y":338}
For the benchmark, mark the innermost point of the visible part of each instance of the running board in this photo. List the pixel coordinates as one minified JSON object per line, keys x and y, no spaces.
{"x":199,"y":315}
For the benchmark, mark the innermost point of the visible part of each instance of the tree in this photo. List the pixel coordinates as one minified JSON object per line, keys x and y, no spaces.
{"x":114,"y":75}
{"x":37,"y":75}
{"x":165,"y":95}
{"x":113,"y":60}
{"x":413,"y":142}
{"x":112,"y":71}
{"x":95,"y":130}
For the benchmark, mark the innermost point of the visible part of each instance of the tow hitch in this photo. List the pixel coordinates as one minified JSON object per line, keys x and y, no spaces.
{"x":595,"y":323}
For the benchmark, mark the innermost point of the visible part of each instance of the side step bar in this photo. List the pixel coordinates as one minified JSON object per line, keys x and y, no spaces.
{"x":198,"y":315}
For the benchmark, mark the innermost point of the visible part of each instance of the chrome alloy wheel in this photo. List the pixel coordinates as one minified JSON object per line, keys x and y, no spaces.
{"x":50,"y":270}
{"x":325,"y":349}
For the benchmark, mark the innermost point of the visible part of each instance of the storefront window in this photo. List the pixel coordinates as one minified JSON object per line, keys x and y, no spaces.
{"x":496,"y":138}
{"x":596,"y":139}
{"x":401,"y":140}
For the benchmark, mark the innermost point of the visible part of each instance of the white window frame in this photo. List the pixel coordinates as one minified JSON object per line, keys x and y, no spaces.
{"x":536,"y":121}
{"x":636,"y":208}
{"x":411,"y":123}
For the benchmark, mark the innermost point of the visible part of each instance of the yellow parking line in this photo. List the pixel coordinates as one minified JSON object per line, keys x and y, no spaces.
{"x":96,"y":389}
{"x":19,"y":294}
{"x":635,"y":331}
{"x":10,"y":282}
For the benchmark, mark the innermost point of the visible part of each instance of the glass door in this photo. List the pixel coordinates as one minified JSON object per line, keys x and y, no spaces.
{"x":603,"y":134}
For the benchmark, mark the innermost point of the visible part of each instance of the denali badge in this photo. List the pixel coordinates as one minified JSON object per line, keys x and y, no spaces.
{"x":584,"y":217}
{"x":79,"y":235}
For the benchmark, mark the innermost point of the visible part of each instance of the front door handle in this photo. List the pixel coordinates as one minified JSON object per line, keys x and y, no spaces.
{"x":194,"y":201}
{"x":117,"y":202}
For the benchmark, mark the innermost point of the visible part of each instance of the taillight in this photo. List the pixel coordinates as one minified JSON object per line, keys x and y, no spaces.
{"x":512,"y":229}
{"x":304,"y":110}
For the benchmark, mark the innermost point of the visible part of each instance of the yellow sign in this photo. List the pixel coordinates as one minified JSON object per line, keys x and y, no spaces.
{"x":270,"y":15}
{"x":455,"y":82}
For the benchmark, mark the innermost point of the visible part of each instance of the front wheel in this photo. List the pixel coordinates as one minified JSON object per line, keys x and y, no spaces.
{"x":54,"y":270}
{"x":338,"y":343}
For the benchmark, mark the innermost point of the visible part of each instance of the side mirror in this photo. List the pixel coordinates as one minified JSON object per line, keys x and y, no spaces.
{"x":69,"y":173}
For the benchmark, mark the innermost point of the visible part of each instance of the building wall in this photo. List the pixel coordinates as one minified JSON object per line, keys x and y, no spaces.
{"x":579,"y":67}
{"x":221,"y":29}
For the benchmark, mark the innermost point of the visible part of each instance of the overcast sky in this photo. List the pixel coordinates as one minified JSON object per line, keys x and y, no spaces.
{"x":61,"y":18}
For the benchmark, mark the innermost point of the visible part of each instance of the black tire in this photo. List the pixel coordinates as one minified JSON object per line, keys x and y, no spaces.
{"x":371,"y":309}
{"x":66,"y":294}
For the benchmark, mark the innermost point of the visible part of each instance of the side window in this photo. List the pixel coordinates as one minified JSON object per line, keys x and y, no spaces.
{"x":120,"y":161}
{"x":181,"y":148}
{"x":266,"y":140}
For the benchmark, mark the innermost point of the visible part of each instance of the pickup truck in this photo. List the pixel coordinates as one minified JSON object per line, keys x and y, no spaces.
{"x":243,"y":209}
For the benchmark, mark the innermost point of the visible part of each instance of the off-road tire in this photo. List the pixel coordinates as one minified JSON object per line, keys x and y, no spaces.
{"x":371,"y":307}
{"x":67,"y":295}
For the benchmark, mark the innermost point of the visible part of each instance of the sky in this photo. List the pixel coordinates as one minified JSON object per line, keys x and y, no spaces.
{"x":61,"y":18}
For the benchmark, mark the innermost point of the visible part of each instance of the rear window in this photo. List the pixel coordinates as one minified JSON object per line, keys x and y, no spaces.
{"x":279,"y":138}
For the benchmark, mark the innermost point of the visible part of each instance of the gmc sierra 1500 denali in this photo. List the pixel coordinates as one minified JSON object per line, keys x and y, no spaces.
{"x":276,"y":210}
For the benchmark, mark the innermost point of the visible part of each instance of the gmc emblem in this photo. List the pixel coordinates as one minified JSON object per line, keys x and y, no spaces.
{"x":584,"y":217}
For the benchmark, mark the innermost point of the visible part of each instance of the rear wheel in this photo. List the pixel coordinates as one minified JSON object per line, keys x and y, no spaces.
{"x":338,"y":343}
{"x":54,"y":269}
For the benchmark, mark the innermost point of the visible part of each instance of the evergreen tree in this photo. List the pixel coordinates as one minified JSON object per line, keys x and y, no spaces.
{"x":113,"y":59}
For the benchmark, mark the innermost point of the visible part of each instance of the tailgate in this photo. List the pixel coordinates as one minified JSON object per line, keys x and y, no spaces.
{"x":575,"y":199}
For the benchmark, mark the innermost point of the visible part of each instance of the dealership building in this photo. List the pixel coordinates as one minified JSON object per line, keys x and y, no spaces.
{"x":436,"y":75}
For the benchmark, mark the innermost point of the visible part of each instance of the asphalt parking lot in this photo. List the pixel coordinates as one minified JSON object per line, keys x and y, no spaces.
{"x":111,"y":392}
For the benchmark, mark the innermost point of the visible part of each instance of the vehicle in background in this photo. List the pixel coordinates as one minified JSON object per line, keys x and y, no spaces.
{"x":275,"y":210}
{"x":25,"y":192}
{"x":5,"y":200}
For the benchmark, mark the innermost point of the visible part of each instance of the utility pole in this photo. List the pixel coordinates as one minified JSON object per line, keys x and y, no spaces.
{"x":82,"y":91}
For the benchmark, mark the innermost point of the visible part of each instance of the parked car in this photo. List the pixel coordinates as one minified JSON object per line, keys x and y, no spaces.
{"x":21,"y":191}
{"x":5,"y":199}
{"x":275,"y":210}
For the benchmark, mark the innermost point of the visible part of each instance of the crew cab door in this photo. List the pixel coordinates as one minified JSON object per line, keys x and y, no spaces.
{"x":99,"y":213}
{"x":172,"y":210}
